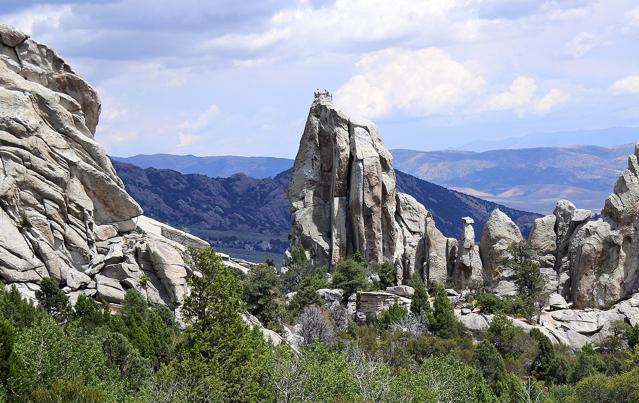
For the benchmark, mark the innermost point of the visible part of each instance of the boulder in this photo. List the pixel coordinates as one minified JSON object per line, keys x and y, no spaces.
{"x":109,"y":290}
{"x":439,"y":254}
{"x":468,"y":268}
{"x":331,"y":295}
{"x":542,"y":237}
{"x":401,"y":290}
{"x":499,"y":233}
{"x":557,"y":302}
{"x":373,"y":303}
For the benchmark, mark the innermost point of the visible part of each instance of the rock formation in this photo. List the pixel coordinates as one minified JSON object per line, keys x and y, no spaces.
{"x":343,"y":195}
{"x":468,"y":269}
{"x":604,"y":254}
{"x":499,"y":233}
{"x":64,"y":212}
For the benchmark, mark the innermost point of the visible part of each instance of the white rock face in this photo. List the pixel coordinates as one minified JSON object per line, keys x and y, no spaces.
{"x":604,"y":254}
{"x":468,"y":270}
{"x":344,"y":199}
{"x":499,"y":233}
{"x":64,"y":213}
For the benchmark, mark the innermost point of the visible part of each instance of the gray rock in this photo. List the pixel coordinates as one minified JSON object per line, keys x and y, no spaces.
{"x":401,"y":290}
{"x":543,"y":237}
{"x":474,"y":322}
{"x":557,"y":302}
{"x":109,"y":290}
{"x":468,"y":268}
{"x":11,"y":37}
{"x":499,"y":233}
{"x":344,"y":199}
{"x":331,"y":295}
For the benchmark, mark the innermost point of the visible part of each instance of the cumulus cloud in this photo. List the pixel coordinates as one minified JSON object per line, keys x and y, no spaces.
{"x":201,"y":120}
{"x":350,"y":25}
{"x":632,"y":17}
{"x":187,"y":139}
{"x":41,"y":17}
{"x":582,"y":44}
{"x":521,"y":98}
{"x":627,"y":85}
{"x":429,"y":82}
{"x":424,"y":82}
{"x":553,"y":98}
{"x":111,"y":139}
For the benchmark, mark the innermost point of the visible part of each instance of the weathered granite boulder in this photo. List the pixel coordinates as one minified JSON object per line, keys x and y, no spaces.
{"x":569,"y":220}
{"x":499,"y":233}
{"x":344,"y":199}
{"x":64,"y":213}
{"x":373,"y":303}
{"x":468,"y":268}
{"x":441,"y":253}
{"x":604,"y":254}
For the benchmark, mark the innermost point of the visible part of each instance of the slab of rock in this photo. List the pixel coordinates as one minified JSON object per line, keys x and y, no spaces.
{"x":109,"y":290}
{"x":557,"y":302}
{"x":401,"y":290}
{"x":331,"y":295}
{"x":499,"y":233}
{"x":373,"y":303}
{"x":473,"y":321}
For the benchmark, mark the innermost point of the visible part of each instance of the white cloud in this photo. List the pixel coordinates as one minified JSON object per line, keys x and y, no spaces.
{"x":423,"y":82}
{"x":627,"y":85}
{"x":553,"y":98}
{"x":582,"y":44}
{"x":348,"y":24}
{"x":632,"y":17}
{"x":187,"y":139}
{"x":521,"y":98}
{"x":201,"y":120}
{"x":518,"y":96}
{"x":116,"y":137}
{"x":41,"y":17}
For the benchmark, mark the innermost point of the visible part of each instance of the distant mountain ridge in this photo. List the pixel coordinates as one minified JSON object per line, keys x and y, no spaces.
{"x":250,"y":217}
{"x":214,"y":166}
{"x":530,"y":179}
{"x":608,"y":137}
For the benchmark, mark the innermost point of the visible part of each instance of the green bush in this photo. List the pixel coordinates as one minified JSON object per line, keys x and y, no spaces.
{"x":53,"y":300}
{"x":350,"y":275}
{"x":263,"y":297}
{"x":444,"y":324}
{"x":394,"y":314}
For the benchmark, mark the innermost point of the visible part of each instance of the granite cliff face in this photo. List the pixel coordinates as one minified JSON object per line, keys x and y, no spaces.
{"x":344,"y":198}
{"x":64,"y":213}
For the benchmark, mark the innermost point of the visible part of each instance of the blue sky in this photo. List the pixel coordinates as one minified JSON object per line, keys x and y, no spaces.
{"x":237,"y":77}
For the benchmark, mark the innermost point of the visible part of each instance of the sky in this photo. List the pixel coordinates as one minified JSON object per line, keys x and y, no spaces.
{"x":228,"y":77}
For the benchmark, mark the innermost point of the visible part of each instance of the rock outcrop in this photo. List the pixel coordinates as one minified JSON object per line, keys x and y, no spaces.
{"x":499,"y":233}
{"x":468,"y":269}
{"x":64,"y":213}
{"x":343,"y":195}
{"x":604,"y":254}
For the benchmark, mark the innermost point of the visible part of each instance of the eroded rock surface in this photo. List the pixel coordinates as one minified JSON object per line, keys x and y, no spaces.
{"x":64,"y":213}
{"x":343,"y":197}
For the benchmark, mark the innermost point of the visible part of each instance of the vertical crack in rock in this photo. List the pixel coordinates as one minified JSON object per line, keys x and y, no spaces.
{"x":357,"y":207}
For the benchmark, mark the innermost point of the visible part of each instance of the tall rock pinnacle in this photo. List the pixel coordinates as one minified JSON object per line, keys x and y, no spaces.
{"x":343,"y":195}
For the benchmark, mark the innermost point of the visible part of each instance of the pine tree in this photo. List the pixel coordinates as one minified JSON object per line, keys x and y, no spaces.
{"x":444,"y":323}
{"x":53,"y":300}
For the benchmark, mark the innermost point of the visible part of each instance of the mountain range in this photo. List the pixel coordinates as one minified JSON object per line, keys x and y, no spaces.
{"x":529,"y":179}
{"x":222,"y":166}
{"x":250,"y":218}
